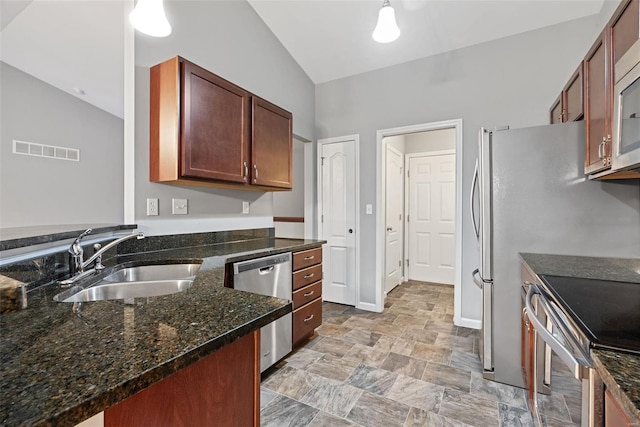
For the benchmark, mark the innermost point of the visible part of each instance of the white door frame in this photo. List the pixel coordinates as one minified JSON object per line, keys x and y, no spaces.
{"x":407,"y":158}
{"x":381,"y":155}
{"x":321,"y":142}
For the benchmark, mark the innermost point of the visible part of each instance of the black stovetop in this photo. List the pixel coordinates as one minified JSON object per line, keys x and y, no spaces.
{"x":607,"y":312}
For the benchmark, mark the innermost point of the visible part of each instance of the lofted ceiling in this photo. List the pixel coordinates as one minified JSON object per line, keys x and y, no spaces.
{"x":80,"y":43}
{"x":331,"y":39}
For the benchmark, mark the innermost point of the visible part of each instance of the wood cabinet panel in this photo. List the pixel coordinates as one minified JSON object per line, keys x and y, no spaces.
{"x":597,"y":104}
{"x":271,"y":149}
{"x":614,"y":415}
{"x":306,"y":259}
{"x":573,"y":100}
{"x":556,"y":111}
{"x":305,"y":320}
{"x":307,"y":294}
{"x":625,"y":28}
{"x":223,"y":386}
{"x":306,"y":276}
{"x":215,"y":126}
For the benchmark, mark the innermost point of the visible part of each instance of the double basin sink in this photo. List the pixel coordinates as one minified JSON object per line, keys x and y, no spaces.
{"x":135,"y":282}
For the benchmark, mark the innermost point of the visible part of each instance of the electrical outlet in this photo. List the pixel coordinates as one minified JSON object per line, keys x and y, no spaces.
{"x":152,"y":207}
{"x":245,"y":207}
{"x":179,"y":206}
{"x":369,"y":209}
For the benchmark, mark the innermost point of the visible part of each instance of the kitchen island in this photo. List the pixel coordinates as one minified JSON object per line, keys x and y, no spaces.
{"x":59,"y":367}
{"x":619,"y":371}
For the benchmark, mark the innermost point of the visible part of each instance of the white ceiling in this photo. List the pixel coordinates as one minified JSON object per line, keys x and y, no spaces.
{"x":79,"y":43}
{"x":69,"y":44}
{"x":331,"y":39}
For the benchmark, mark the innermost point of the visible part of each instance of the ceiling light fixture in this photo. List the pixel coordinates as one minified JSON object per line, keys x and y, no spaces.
{"x":386,"y":30}
{"x":148,"y":17}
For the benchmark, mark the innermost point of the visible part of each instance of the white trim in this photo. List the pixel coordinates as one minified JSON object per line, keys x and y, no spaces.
{"x":346,"y":138}
{"x":309,"y":192}
{"x":469,"y":323}
{"x":430,"y":153}
{"x":129,"y":214}
{"x":381,"y":158}
{"x":404,"y":216}
{"x":366,"y":306}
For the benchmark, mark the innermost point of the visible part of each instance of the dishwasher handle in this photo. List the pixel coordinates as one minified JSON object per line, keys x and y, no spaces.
{"x":264,"y":265}
{"x":266,"y":270}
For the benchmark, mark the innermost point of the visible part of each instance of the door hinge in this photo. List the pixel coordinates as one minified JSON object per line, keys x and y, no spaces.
{"x":321,"y":161}
{"x":407,"y":218}
{"x":407,"y":261}
{"x":399,"y":263}
{"x":400,"y":217}
{"x":321,"y":218}
{"x":408,"y":174}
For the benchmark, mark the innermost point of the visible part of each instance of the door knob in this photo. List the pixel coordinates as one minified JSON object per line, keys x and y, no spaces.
{"x":389,"y":229}
{"x":350,"y":230}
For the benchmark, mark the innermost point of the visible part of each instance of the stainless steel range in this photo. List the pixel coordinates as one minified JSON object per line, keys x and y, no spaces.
{"x":572,"y":315}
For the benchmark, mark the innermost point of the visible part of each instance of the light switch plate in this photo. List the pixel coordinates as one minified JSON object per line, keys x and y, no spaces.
{"x":245,"y":207}
{"x":179,"y":206}
{"x":369,"y":209}
{"x":152,"y":207}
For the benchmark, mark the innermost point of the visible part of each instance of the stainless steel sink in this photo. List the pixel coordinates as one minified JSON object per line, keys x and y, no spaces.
{"x":126,"y":290}
{"x":135,"y":282}
{"x":153,"y":272}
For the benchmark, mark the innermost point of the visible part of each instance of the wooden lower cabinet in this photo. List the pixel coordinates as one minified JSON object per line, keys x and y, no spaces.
{"x":221,"y":389}
{"x":307,"y":294}
{"x":614,"y":415}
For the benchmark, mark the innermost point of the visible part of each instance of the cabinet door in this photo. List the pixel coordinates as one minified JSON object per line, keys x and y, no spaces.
{"x":271,"y":145}
{"x":573,"y":102}
{"x":625,"y":29}
{"x":597,"y":104}
{"x":215,"y":117}
{"x":556,"y":111}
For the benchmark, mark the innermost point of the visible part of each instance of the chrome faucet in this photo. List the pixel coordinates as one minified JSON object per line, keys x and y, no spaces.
{"x":77,"y":264}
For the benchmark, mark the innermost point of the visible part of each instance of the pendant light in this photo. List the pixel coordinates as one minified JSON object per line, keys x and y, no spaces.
{"x":148,"y":17}
{"x":386,"y":30}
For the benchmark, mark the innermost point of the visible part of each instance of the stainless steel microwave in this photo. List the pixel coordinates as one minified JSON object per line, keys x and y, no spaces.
{"x":625,"y":152}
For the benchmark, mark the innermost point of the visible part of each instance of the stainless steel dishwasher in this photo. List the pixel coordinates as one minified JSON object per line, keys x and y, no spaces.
{"x":268,"y":276}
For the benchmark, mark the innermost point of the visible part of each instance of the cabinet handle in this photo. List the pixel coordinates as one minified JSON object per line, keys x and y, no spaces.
{"x":309,"y":258}
{"x":600,"y":148}
{"x":246,"y":171}
{"x":308,"y":276}
{"x":255,"y":173}
{"x":308,"y":294}
{"x":308,"y":319}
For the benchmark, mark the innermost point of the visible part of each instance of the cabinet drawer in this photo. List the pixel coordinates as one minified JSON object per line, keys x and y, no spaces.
{"x":306,"y":259}
{"x":307,"y":276}
{"x":307,"y":294}
{"x":306,"y":319}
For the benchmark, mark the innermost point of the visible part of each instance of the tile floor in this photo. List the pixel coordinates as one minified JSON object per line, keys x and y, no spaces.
{"x":407,"y":366}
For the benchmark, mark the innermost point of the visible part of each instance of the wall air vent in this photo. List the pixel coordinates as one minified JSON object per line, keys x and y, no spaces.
{"x":41,"y":150}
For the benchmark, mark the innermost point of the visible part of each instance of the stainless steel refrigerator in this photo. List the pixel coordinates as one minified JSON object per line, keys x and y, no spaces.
{"x":530,"y":194}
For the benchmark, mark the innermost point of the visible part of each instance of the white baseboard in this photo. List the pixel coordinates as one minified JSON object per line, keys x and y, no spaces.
{"x":367,"y":306}
{"x":467,"y":323}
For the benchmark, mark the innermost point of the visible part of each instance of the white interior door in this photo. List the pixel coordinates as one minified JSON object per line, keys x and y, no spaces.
{"x":394,"y":241}
{"x":338,"y":219}
{"x":431,"y":222}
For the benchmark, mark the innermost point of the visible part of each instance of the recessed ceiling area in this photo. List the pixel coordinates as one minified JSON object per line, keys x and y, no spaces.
{"x":76,"y":46}
{"x":332,"y":39}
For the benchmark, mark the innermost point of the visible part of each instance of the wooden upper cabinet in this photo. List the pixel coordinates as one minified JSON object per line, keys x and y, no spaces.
{"x":573,"y":96}
{"x":598,"y":103}
{"x":569,"y":106}
{"x":271,"y":145}
{"x":214,"y":138}
{"x":205,"y":130}
{"x":556,"y":112}
{"x":624,"y":28}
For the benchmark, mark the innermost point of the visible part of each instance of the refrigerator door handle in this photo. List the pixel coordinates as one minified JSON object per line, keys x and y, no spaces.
{"x":476,"y":278}
{"x":474,"y":185}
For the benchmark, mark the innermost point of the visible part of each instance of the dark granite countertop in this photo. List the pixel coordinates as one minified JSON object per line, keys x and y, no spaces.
{"x":620,"y":371}
{"x":58,"y":367}
{"x":18,"y":237}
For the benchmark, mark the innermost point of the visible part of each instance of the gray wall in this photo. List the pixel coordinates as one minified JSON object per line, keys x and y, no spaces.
{"x":435,"y":140}
{"x":511,"y":81}
{"x":229,"y":39}
{"x":291,"y":203}
{"x":44,"y":191}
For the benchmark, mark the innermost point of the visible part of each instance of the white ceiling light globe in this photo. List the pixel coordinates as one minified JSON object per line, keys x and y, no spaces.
{"x":148,"y":17}
{"x":386,"y":30}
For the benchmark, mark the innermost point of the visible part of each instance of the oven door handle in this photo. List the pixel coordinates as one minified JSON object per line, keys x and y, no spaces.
{"x":565,"y":354}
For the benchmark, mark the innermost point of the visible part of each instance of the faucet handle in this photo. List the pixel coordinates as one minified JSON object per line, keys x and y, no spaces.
{"x":75,"y":246}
